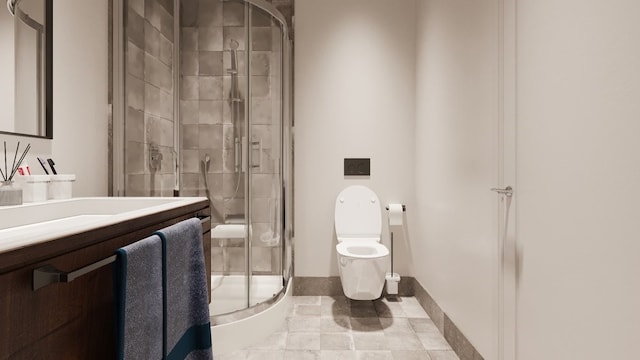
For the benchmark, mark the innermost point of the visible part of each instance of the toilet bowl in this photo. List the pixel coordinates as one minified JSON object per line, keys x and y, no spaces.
{"x":362,"y":259}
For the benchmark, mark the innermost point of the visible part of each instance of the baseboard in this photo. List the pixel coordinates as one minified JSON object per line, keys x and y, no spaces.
{"x":459,"y":343}
{"x":331,"y":286}
{"x":409,"y":286}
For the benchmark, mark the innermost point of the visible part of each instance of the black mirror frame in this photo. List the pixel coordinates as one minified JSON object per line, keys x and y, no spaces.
{"x":48,"y":76}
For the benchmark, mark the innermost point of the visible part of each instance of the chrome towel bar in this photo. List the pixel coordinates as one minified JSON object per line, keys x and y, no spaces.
{"x":48,"y":274}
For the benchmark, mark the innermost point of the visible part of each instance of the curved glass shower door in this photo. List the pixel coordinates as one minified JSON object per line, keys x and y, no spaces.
{"x":206,"y":114}
{"x":265,"y":178}
{"x":240,"y":156}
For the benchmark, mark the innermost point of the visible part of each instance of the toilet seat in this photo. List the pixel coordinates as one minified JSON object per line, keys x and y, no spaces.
{"x":358,"y":249}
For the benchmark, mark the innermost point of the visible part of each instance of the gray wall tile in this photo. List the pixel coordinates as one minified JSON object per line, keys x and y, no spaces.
{"x":135,"y":92}
{"x":135,"y":60}
{"x":210,"y":13}
{"x":134,"y":126}
{"x":189,"y":38}
{"x":158,"y":102}
{"x":210,"y":112}
{"x":189,"y":63}
{"x":210,"y":39}
{"x":210,"y":88}
{"x":135,"y":29}
{"x":157,"y":73}
{"x":233,"y":14}
{"x":210,"y":63}
{"x":189,"y":13}
{"x":190,"y":88}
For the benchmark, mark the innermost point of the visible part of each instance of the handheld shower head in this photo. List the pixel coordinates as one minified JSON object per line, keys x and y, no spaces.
{"x":11,"y":5}
{"x":233,"y":44}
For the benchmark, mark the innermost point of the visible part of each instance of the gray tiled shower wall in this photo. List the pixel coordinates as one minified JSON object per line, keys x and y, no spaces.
{"x":207,"y":28}
{"x":149,"y":96}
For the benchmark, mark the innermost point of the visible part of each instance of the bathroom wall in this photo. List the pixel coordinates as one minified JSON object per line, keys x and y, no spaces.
{"x":79,"y":144}
{"x":578,"y":174}
{"x":149,"y":88}
{"x":455,"y":219}
{"x":354,"y":83}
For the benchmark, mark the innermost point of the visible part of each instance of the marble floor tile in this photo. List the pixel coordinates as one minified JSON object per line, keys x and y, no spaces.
{"x":336,"y":341}
{"x":337,"y":328}
{"x":337,"y":355}
{"x":301,"y":355}
{"x":303,"y":341}
{"x":266,"y":355}
{"x":410,"y":355}
{"x":366,"y":324}
{"x":374,"y":355}
{"x":335,"y":324}
{"x":443,"y":355}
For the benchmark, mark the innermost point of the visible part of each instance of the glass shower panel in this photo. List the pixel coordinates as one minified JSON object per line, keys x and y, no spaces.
{"x":265,"y":156}
{"x":213,"y":112}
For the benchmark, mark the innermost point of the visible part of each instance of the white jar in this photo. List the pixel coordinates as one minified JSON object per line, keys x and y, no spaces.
{"x":35,"y":188}
{"x":61,"y":186}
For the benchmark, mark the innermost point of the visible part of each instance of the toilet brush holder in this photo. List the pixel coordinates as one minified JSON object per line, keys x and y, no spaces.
{"x":392,"y":280}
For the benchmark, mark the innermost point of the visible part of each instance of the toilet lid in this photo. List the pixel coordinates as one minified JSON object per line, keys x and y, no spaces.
{"x":357,"y":214}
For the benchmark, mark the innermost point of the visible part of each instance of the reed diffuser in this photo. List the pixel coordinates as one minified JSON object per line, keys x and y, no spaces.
{"x":11,"y":194}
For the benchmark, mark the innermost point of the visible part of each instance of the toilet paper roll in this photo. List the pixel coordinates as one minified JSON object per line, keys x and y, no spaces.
{"x":395,"y":214}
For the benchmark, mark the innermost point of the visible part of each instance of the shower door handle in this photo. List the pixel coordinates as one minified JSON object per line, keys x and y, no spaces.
{"x":508,"y":191}
{"x":259,"y":145}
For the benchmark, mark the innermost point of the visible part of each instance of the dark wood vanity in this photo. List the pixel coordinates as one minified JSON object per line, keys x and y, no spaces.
{"x":74,"y":320}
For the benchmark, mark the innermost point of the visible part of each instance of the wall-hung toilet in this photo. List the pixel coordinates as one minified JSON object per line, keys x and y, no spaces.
{"x":362,"y":259}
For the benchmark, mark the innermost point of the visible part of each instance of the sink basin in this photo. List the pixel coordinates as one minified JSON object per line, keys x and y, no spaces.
{"x":27,"y":224}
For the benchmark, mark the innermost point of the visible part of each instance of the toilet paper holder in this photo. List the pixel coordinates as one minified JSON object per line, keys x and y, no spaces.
{"x":404,"y":207}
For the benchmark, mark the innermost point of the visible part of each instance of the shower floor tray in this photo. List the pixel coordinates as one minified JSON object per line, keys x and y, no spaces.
{"x":228,"y":292}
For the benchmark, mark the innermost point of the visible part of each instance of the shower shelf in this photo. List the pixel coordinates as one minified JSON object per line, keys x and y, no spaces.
{"x":229,"y":231}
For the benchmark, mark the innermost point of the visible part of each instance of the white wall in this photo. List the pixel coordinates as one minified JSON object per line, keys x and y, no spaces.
{"x":354,"y":82}
{"x":80,"y":85}
{"x":7,"y":81}
{"x":578,"y":179}
{"x":455,"y":239}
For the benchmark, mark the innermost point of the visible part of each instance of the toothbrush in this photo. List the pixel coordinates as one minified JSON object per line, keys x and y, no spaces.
{"x":44,"y":166}
{"x":51,"y":163}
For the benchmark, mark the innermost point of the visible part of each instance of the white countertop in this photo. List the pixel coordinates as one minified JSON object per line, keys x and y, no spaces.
{"x":33,"y":223}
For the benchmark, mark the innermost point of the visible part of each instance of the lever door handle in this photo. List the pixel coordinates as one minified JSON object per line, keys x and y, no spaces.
{"x":508,"y":191}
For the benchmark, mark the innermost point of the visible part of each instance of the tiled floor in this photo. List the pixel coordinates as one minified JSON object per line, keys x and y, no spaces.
{"x":336,"y":328}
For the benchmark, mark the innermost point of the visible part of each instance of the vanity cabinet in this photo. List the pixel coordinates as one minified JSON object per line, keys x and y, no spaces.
{"x":74,"y":320}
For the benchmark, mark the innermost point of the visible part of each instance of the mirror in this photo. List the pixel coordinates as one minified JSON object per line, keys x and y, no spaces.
{"x":26,"y":68}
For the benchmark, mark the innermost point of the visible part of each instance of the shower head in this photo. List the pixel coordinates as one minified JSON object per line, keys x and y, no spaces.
{"x":233,"y":44}
{"x":11,"y":5}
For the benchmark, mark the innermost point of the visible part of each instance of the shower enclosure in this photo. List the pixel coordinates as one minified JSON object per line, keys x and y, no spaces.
{"x":205,"y":97}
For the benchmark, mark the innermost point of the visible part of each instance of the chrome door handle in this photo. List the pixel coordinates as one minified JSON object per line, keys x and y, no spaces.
{"x":508,"y":191}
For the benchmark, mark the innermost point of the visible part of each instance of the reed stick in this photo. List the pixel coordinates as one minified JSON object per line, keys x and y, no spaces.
{"x":13,"y":165}
{"x":24,"y":154}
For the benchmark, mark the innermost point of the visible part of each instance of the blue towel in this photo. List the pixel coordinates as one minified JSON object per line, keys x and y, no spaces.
{"x":187,"y":328}
{"x":138,"y":291}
